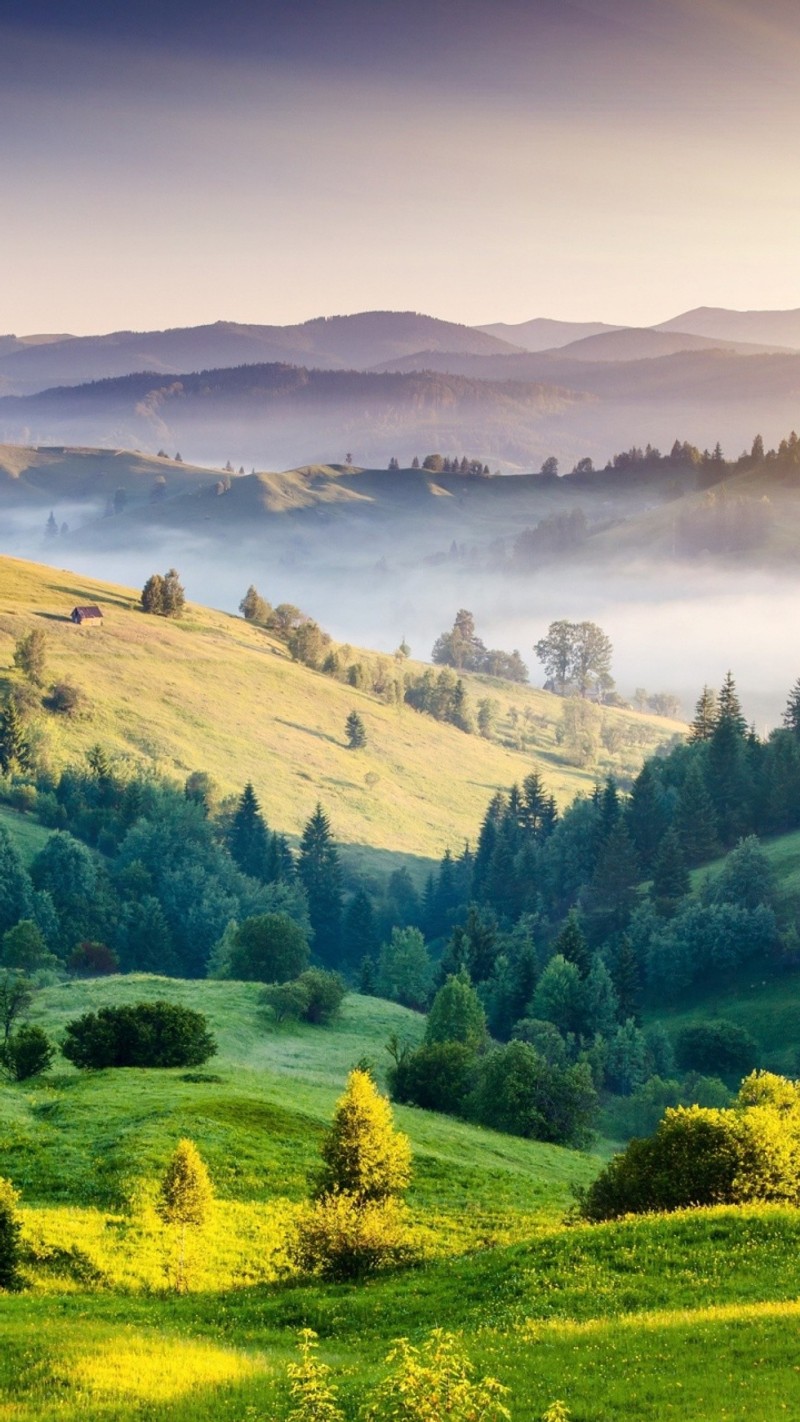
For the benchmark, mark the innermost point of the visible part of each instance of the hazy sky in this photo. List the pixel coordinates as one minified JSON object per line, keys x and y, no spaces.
{"x":166,"y":163}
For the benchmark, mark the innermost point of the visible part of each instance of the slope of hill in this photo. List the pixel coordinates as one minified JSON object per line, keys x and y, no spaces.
{"x":51,"y":476}
{"x":693,"y":1315}
{"x":345,"y":342}
{"x":212,"y":692}
{"x":780,"y":328}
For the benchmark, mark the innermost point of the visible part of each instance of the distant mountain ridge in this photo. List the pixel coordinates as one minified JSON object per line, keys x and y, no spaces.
{"x":355,"y":342}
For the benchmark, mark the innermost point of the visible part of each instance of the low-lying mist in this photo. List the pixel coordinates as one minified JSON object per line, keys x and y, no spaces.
{"x":674,"y":627}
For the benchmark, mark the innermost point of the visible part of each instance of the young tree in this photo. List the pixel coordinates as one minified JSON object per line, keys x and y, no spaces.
{"x":313,"y":1396}
{"x":255,"y":608}
{"x":30,"y":655}
{"x":457,"y":1014}
{"x":355,"y":732}
{"x":185,"y":1198}
{"x":434,"y":1382}
{"x":363,"y":1154}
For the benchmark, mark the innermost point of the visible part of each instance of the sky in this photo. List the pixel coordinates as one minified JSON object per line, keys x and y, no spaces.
{"x":167,"y":164}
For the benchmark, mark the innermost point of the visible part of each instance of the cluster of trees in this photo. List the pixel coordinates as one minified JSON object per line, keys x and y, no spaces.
{"x":711,"y":463}
{"x":552,"y":537}
{"x":463,"y":649}
{"x":444,"y":464}
{"x":576,"y":657}
{"x":163,"y":594}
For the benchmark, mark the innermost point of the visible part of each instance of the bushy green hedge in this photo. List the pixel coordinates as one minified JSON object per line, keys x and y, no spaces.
{"x":146,"y":1034}
{"x":699,"y":1156}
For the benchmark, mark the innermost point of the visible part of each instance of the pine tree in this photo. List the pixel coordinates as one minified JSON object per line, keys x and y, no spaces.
{"x":729,"y":707}
{"x":363,"y":1154}
{"x":727,"y":778}
{"x":360,"y":938}
{"x":174,"y":595}
{"x":611,"y":894}
{"x":696,"y":818}
{"x":791,"y":716}
{"x":627,"y":977}
{"x":646,"y":815}
{"x":601,"y":1004}
{"x":248,"y":840}
{"x":572,"y":945}
{"x":184,"y":1199}
{"x":15,"y":885}
{"x":254,"y":608}
{"x":706,"y":714}
{"x":670,"y":876}
{"x":321,"y":876}
{"x":152,"y":598}
{"x":368,"y":976}
{"x":457,"y":1014}
{"x":51,"y":527}
{"x":15,"y":752}
{"x":355,"y":731}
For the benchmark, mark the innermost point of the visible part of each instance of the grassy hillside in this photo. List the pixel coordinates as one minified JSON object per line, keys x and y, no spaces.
{"x":690,"y":1317}
{"x":211,"y":692}
{"x":49,"y":477}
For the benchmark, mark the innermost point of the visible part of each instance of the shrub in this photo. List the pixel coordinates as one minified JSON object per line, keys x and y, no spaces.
{"x":519,"y":1092}
{"x":10,"y":1249}
{"x":27,"y":1053}
{"x":92,"y":960}
{"x":325,"y":992}
{"x":65,"y":699}
{"x":699,"y":1156}
{"x":342,"y":1236}
{"x":436,"y":1381}
{"x":286,"y":1001}
{"x":313,"y":1397}
{"x":716,"y":1049}
{"x":436,"y":1077}
{"x":146,"y":1034}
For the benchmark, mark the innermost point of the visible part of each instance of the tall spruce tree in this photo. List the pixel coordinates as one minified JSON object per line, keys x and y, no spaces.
{"x":646,"y":815}
{"x":360,"y":937}
{"x":611,"y":894}
{"x":705,"y":716}
{"x":670,"y":876}
{"x":571,"y":944}
{"x":728,"y":705}
{"x":696,"y":818}
{"x":15,"y":751}
{"x":791,"y":716}
{"x":248,"y":840}
{"x":321,"y":876}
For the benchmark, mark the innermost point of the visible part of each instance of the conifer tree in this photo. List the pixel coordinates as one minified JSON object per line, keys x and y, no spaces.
{"x":706,"y":714}
{"x":174,"y":595}
{"x":727,"y":778}
{"x":185,"y":1198}
{"x":791,"y":716}
{"x":15,"y":885}
{"x":321,"y":876}
{"x":248,"y":840}
{"x":363,"y":1154}
{"x":611,"y":894}
{"x":646,"y":815}
{"x":601,"y":1004}
{"x":696,"y":818}
{"x":30,"y":655}
{"x":456,"y":1014}
{"x":670,"y":876}
{"x":15,"y":752}
{"x":152,"y":598}
{"x":355,"y":731}
{"x":360,"y":936}
{"x":572,"y":945}
{"x":626,"y":977}
{"x":728,"y":705}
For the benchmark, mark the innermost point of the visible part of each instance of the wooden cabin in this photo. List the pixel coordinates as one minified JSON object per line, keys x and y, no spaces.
{"x":80,"y":615}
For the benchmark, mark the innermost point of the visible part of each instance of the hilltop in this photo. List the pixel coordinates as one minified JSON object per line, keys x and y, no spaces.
{"x":212,"y":692}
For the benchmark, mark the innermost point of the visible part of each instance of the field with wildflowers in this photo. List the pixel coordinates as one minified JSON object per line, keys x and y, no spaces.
{"x":692,"y":1317}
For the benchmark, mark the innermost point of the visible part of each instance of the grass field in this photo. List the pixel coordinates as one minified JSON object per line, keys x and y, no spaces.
{"x":211,"y":692}
{"x":691,"y":1317}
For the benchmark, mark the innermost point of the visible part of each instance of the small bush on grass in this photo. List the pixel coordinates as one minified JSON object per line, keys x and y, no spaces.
{"x":313,"y":1397}
{"x":146,"y":1034}
{"x":340,"y":1236}
{"x":27,"y":1053}
{"x":436,"y":1381}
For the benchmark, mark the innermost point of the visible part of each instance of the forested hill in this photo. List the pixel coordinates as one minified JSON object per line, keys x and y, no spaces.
{"x":212,"y":692}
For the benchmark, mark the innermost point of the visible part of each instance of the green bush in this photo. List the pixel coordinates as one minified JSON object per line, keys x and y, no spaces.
{"x":716,"y":1049}
{"x":27,"y":1053}
{"x":699,"y":1156}
{"x":146,"y":1034}
{"x":436,"y":1077}
{"x":10,"y":1249}
{"x":325,"y":992}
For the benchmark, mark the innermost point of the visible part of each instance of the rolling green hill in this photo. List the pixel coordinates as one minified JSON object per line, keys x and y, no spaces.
{"x":212,"y":692}
{"x":690,"y":1317}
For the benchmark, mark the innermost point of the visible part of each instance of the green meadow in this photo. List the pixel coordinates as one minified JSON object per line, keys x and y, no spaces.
{"x":691,"y":1317}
